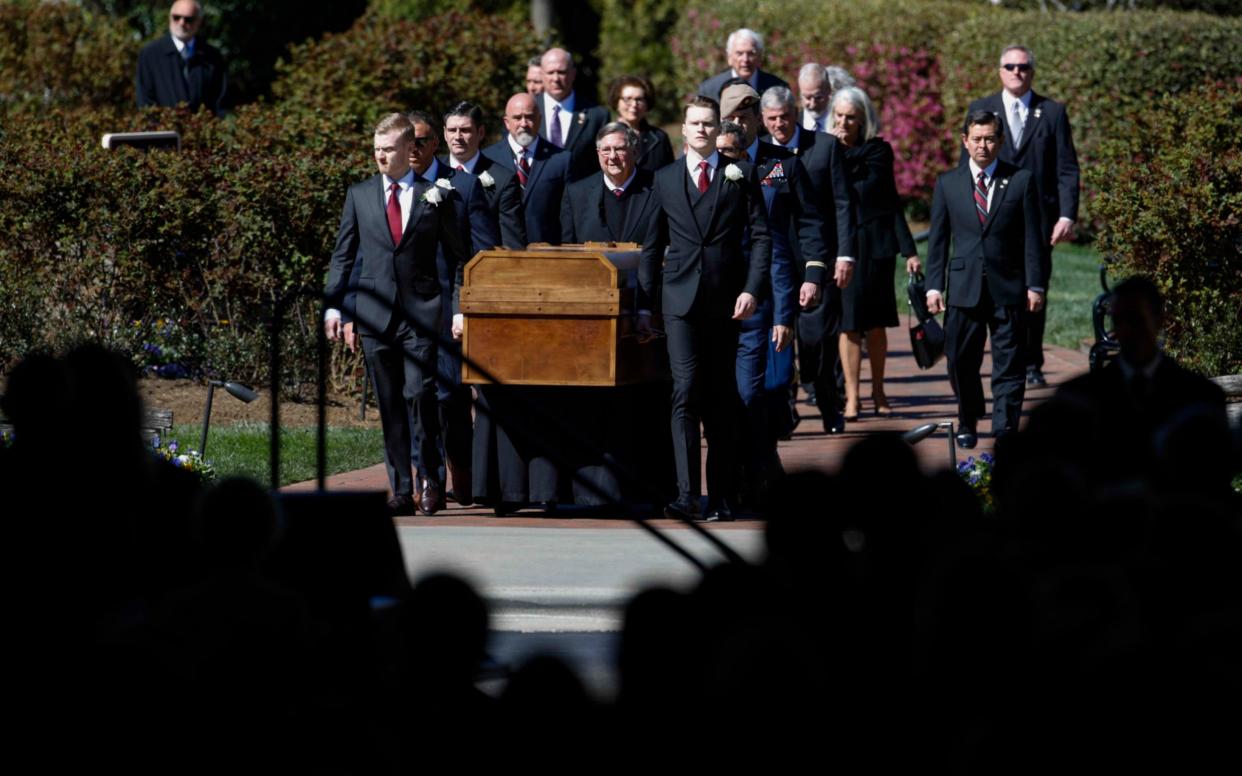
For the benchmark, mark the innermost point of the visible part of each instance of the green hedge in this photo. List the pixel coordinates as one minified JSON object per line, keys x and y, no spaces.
{"x":186,"y":253}
{"x":1170,"y":200}
{"x":382,"y":64}
{"x":57,"y":54}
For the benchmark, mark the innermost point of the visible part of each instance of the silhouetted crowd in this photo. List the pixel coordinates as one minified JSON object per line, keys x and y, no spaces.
{"x":1094,"y":620}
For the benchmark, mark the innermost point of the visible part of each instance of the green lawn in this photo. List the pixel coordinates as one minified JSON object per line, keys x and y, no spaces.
{"x":242,"y":450}
{"x":1075,"y":284}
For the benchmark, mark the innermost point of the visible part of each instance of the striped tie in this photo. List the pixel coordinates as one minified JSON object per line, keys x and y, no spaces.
{"x":981,"y":197}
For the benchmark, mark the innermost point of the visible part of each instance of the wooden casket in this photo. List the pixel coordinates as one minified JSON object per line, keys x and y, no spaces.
{"x":559,"y":315}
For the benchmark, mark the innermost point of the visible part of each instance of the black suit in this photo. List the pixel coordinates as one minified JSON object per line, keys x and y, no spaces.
{"x":823,"y":158}
{"x":1047,"y":151}
{"x":985,"y":278}
{"x":405,"y":277}
{"x":545,"y":185}
{"x":714,"y":85}
{"x":504,"y":202}
{"x":580,"y":143}
{"x":585,"y":213}
{"x":718,"y":247}
{"x":165,"y":78}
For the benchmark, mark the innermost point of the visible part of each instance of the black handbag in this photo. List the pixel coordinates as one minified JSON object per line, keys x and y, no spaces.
{"x":926,"y":336}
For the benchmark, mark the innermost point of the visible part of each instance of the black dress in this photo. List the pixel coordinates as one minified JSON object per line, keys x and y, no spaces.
{"x":869,"y":301}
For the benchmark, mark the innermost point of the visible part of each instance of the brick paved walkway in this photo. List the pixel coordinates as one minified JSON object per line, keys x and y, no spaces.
{"x":916,"y":396}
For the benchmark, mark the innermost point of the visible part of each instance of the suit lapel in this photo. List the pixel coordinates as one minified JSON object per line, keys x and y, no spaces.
{"x":576,"y":120}
{"x":417,"y":206}
{"x":638,"y":204}
{"x":1000,"y":186}
{"x":964,"y":196}
{"x":1033,"y":114}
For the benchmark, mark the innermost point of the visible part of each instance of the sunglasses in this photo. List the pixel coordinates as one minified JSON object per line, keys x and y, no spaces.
{"x":187,"y":19}
{"x":422,"y":142}
{"x":1024,"y":67}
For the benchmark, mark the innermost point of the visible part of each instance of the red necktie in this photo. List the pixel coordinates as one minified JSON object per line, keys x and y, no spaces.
{"x":981,"y":197}
{"x":460,"y":168}
{"x":523,"y":168}
{"x":394,"y":213}
{"x":703,"y":181}
{"x":618,"y":193}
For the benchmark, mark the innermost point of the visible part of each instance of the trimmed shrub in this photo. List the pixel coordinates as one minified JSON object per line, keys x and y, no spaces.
{"x":383,"y":65}
{"x":57,"y":54}
{"x":1170,"y":201}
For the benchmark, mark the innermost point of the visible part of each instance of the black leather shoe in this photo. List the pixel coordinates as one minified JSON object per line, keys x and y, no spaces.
{"x":1035,"y":378}
{"x":401,"y":506}
{"x":835,"y":425}
{"x":683,"y":509}
{"x":430,"y":498}
{"x":810,"y":394}
{"x":966,"y":439}
{"x":720,"y":513}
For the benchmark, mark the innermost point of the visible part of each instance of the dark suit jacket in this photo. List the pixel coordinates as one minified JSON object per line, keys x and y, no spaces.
{"x":1047,"y":151}
{"x":882,"y":227}
{"x":654,"y":150}
{"x":710,"y":258}
{"x":1006,"y":245}
{"x":473,"y":222}
{"x":504,"y":202}
{"x":580,"y":145}
{"x":823,"y":159}
{"x":714,"y":85}
{"x":160,"y":81}
{"x":397,"y":274}
{"x":792,"y":213}
{"x":545,"y":185}
{"x":582,"y":210}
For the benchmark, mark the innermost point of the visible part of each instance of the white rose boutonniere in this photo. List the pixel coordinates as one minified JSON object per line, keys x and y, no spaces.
{"x":733,"y":173}
{"x":1037,"y":111}
{"x":444,"y":183}
{"x":1004,"y":182}
{"x":433,"y":196}
{"x":486,"y":179}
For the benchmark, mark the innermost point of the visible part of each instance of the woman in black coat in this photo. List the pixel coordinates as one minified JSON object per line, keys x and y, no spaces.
{"x":632,"y":97}
{"x":869,"y":303}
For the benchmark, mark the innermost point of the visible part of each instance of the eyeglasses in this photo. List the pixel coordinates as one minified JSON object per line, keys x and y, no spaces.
{"x":633,"y":99}
{"x":187,"y":19}
{"x":1024,"y":67}
{"x":422,"y":142}
{"x":610,"y":151}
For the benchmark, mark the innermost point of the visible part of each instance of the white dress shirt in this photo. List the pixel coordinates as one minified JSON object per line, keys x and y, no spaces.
{"x":692,"y":165}
{"x":405,"y":197}
{"x":566,"y":116}
{"x":469,"y":164}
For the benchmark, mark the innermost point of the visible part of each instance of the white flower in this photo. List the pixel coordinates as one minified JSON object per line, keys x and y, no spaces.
{"x":733,"y":173}
{"x":432,"y":196}
{"x":1037,"y":110}
{"x":444,"y":183}
{"x":486,"y":179}
{"x":1004,"y":182}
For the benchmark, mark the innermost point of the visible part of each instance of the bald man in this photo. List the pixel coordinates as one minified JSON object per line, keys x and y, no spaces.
{"x":182,"y":67}
{"x":570,"y":121}
{"x":541,"y":168}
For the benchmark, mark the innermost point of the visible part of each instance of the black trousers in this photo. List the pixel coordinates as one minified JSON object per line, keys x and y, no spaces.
{"x":702,"y":354}
{"x":819,"y":359}
{"x":406,"y":394}
{"x":966,"y":330}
